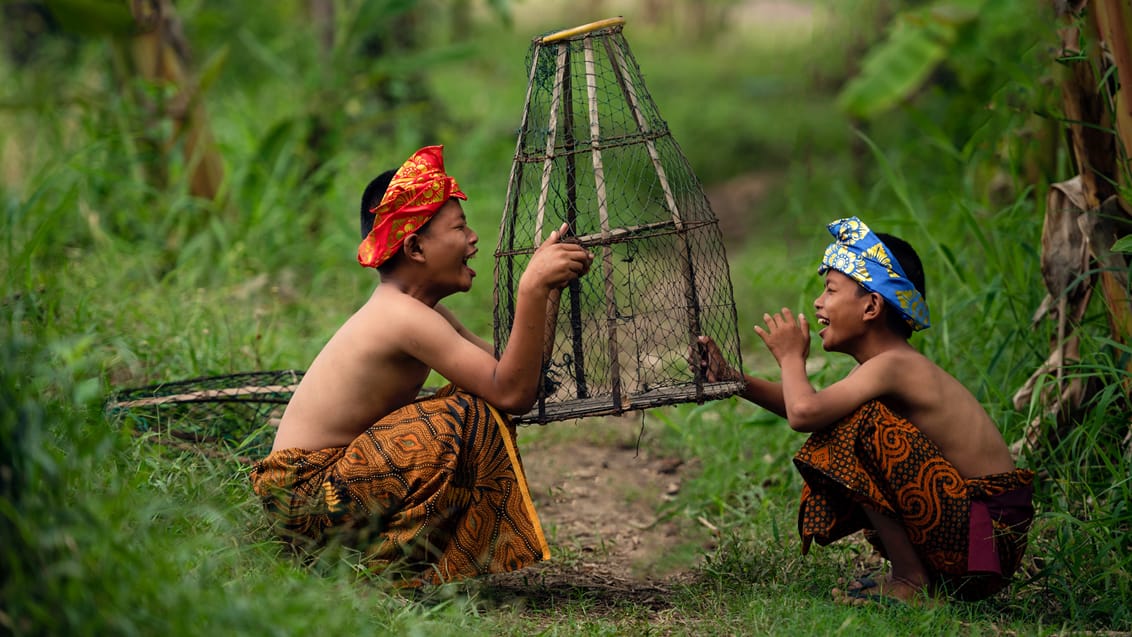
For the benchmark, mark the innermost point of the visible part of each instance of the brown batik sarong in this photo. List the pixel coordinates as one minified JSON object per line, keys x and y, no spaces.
{"x":436,"y":487}
{"x":969,"y":533}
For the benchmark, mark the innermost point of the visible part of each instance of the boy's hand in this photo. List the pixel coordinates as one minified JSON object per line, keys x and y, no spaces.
{"x":711,"y":361}
{"x":555,"y":263}
{"x":784,"y":336}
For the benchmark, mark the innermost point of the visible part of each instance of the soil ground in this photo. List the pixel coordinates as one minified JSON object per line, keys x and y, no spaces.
{"x":599,"y":494}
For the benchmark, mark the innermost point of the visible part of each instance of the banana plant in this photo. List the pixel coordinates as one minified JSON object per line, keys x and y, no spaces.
{"x":919,"y":41}
{"x":1085,"y":238}
{"x":151,"y":44}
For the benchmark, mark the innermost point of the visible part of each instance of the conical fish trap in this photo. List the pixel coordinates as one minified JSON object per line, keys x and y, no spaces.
{"x":594,"y":152}
{"x":237,"y":412}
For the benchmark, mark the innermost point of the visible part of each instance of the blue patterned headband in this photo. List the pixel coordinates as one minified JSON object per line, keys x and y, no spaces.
{"x":860,"y":255}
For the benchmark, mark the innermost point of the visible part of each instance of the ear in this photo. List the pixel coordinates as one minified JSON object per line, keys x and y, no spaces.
{"x":413,"y":248}
{"x":874,"y":306}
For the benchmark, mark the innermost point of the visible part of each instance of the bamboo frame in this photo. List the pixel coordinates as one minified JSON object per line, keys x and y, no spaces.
{"x":575,"y":286}
{"x":603,"y":216}
{"x":585,"y":29}
{"x":610,"y":321}
{"x":212,"y":395}
{"x":548,"y":163}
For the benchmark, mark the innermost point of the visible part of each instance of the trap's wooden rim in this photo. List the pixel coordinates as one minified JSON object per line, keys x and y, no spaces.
{"x":611,"y":406}
{"x":566,"y":34}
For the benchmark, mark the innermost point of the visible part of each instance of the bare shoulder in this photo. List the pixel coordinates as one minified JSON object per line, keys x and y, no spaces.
{"x":405,"y":323}
{"x":905,"y":378}
{"x":898,"y":367}
{"x":902,"y":357}
{"x":381,"y":326}
{"x":397,"y":311}
{"x":364,"y":372}
{"x":930,"y":396}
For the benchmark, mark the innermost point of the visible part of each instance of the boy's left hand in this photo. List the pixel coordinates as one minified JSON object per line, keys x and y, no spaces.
{"x":784,"y":336}
{"x":556,"y":262}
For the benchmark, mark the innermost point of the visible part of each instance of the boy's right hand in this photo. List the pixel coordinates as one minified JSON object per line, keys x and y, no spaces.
{"x":711,"y":361}
{"x":555,"y":263}
{"x":784,"y":336}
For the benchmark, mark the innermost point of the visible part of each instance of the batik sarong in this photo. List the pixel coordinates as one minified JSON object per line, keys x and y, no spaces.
{"x":436,"y":488}
{"x":969,"y":533}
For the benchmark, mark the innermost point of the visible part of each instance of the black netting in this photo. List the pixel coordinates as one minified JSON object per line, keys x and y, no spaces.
{"x":238,"y":412}
{"x":594,"y":152}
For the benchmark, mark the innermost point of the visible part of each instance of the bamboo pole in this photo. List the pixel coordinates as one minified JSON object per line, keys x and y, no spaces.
{"x":1098,"y":121}
{"x":548,"y":161}
{"x":575,"y":286}
{"x":603,"y":215}
{"x":1091,"y":143}
{"x":231,"y":394}
{"x":582,"y":30}
{"x":1113,"y":21}
{"x":621,"y":72}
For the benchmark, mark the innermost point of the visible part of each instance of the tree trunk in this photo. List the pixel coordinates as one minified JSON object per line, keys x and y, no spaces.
{"x":1086,"y":215}
{"x":322,"y":17}
{"x":160,"y":55}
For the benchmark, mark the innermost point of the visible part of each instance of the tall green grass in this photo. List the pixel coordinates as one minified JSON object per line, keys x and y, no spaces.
{"x":109,"y":282}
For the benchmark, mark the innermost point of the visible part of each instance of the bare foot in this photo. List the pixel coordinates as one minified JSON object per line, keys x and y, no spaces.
{"x":845,"y":586}
{"x":885,"y":590}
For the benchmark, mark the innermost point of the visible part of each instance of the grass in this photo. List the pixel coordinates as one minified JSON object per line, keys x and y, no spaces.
{"x":109,"y":282}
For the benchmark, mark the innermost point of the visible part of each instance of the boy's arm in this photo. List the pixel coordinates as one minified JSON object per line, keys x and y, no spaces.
{"x":463,"y":331}
{"x":552,"y":303}
{"x":551,"y":320}
{"x":808,"y":409}
{"x":511,"y":383}
{"x":551,"y":268}
{"x":766,"y":394}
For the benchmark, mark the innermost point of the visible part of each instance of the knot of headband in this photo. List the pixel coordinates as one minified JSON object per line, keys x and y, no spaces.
{"x":860,"y":255}
{"x":418,"y":189}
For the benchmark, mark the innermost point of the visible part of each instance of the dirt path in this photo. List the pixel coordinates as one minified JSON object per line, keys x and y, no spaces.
{"x":598,"y":495}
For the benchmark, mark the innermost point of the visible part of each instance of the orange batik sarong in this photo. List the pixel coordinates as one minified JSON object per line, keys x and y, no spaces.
{"x":969,"y":533}
{"x":437,"y":488}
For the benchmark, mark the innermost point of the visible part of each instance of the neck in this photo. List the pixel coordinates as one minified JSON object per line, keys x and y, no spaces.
{"x":878,"y":342}
{"x":411,"y":286}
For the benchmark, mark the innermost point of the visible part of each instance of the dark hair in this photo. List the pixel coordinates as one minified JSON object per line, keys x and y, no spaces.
{"x":903,"y":253}
{"x":371,"y":198}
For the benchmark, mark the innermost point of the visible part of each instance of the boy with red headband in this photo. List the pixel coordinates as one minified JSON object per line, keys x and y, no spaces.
{"x":898,"y":447}
{"x":433,"y":484}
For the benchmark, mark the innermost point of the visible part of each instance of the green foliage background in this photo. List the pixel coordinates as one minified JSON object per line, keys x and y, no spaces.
{"x":109,"y":281}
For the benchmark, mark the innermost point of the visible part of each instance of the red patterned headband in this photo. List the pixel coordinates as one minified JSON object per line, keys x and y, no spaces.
{"x":418,"y":189}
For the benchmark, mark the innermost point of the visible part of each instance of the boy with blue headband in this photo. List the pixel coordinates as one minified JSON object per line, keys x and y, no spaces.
{"x":898,"y":447}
